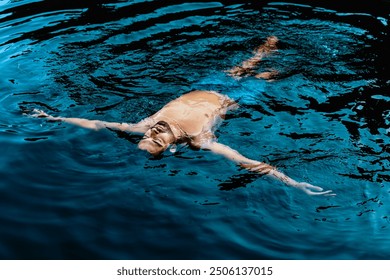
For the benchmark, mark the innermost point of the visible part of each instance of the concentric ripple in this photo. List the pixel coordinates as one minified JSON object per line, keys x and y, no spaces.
{"x":70,"y":193}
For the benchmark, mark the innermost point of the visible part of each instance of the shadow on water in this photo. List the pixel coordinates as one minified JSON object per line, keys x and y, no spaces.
{"x":325,"y":119}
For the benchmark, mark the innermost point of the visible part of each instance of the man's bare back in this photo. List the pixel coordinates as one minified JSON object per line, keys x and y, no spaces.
{"x":191,"y":119}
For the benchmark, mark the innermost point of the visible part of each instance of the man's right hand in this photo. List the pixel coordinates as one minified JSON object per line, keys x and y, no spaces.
{"x":39,"y":114}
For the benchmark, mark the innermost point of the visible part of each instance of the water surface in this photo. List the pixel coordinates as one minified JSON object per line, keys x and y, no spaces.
{"x":69,"y":193}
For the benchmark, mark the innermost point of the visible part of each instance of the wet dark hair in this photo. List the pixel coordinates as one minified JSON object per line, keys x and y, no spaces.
{"x":165,"y":125}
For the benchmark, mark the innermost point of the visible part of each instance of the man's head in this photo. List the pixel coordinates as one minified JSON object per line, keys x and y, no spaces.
{"x":157,"y":139}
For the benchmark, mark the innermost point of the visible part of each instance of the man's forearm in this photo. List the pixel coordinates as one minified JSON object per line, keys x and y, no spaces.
{"x":282,"y":177}
{"x":97,"y":125}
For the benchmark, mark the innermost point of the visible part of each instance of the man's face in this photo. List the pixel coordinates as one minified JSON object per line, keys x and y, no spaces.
{"x":157,"y":139}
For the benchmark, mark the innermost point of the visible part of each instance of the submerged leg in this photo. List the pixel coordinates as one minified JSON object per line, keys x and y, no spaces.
{"x":247,"y":66}
{"x":268,"y":75}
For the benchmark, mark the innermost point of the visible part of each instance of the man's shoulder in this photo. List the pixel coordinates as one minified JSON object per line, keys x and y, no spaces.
{"x":213,"y":97}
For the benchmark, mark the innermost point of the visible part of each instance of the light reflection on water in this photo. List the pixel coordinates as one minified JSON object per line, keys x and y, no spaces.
{"x":70,"y":193}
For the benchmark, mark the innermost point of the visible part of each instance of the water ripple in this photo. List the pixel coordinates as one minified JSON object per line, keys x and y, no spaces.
{"x":81,"y":194}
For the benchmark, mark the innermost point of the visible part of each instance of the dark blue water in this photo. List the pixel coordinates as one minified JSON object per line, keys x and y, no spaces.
{"x":70,"y":193}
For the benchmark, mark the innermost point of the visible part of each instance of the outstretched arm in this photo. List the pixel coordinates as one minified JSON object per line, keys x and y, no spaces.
{"x":94,"y":124}
{"x":262,"y":168}
{"x":247,"y":66}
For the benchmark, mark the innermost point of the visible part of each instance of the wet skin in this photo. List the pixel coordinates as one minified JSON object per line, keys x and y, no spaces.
{"x":192,"y":118}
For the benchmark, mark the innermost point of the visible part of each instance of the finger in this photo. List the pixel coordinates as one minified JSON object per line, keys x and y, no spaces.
{"x":309,"y":186}
{"x":330,"y":194}
{"x":319,"y":189}
{"x":325,"y":193}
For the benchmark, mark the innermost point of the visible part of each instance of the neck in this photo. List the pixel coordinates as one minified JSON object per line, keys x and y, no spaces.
{"x":178,"y":132}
